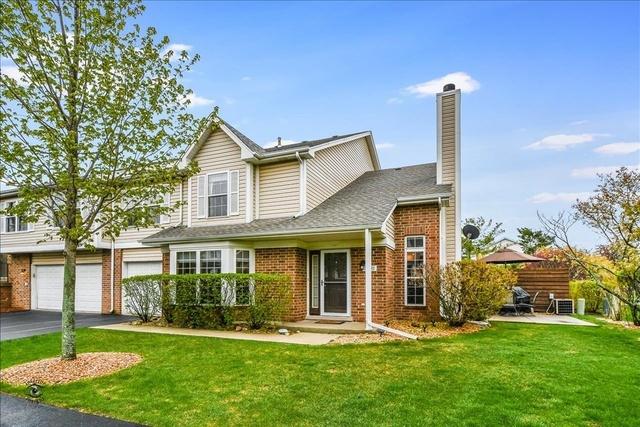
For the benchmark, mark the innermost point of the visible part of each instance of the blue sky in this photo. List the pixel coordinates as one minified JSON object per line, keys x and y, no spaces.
{"x":561,"y":78}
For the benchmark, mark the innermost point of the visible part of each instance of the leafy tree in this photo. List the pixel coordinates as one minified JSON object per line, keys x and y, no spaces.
{"x":486,"y":242}
{"x":613,"y":213}
{"x":92,"y":123}
{"x":533,"y":240}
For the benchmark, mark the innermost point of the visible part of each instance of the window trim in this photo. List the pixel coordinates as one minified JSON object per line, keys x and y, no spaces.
{"x":3,"y":225}
{"x":423,"y":249}
{"x":202,"y":201}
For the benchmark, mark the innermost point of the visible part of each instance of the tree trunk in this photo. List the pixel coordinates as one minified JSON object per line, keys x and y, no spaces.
{"x":69,"y":301}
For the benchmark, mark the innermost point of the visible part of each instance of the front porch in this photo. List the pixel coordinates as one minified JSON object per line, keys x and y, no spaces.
{"x":327,"y":325}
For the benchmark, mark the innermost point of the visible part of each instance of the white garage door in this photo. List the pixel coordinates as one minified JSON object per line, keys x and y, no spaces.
{"x":48,"y":287}
{"x":139,"y":268}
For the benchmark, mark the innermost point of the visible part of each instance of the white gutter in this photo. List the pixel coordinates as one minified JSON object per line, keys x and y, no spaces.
{"x":430,"y":198}
{"x":392,"y":331}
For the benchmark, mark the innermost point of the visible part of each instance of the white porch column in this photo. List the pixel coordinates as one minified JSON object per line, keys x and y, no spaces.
{"x":368,"y":285}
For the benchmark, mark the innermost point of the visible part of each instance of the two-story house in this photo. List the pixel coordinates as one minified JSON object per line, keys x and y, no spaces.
{"x":351,"y":235}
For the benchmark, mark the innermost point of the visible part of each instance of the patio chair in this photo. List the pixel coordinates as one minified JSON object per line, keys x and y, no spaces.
{"x":524,"y":303}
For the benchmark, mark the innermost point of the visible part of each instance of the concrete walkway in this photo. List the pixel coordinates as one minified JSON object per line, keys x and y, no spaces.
{"x":15,"y":411}
{"x":307,"y":338}
{"x":543,"y":319}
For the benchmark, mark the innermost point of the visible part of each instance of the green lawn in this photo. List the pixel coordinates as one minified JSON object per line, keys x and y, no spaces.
{"x":508,"y":375}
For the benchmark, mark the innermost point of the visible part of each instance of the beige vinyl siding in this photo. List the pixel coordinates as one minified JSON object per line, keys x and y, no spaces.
{"x":389,"y":228}
{"x":279,"y":189}
{"x":132,"y":235}
{"x":142,"y":254}
{"x":335,"y":167}
{"x":448,"y":132}
{"x":218,"y":153}
{"x":56,"y":258}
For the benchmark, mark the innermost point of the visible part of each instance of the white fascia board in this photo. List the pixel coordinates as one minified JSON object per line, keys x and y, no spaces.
{"x":246,"y":152}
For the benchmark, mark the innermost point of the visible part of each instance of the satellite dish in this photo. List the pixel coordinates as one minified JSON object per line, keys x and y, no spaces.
{"x":470,"y":231}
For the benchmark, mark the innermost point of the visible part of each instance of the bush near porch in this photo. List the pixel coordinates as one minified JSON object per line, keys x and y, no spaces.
{"x":214,"y":301}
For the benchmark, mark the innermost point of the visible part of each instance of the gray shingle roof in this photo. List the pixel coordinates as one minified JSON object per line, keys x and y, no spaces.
{"x":302,"y":144}
{"x":364,"y":203}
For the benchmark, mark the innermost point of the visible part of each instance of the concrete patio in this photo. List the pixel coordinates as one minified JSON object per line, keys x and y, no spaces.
{"x":543,"y":319}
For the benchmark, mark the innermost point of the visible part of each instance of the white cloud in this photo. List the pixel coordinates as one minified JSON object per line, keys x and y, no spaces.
{"x":560,"y":142}
{"x":579,"y":122}
{"x":558,"y":197}
{"x":282,"y":142}
{"x":394,"y":100}
{"x":246,"y":78}
{"x":384,"y":145}
{"x":177,"y":48}
{"x":463,"y":81}
{"x":594,"y":171}
{"x":618,"y":148}
{"x":198,"y":101}
{"x":12,"y":71}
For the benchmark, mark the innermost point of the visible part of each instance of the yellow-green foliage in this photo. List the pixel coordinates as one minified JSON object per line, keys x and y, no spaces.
{"x":590,"y":291}
{"x":470,"y":290}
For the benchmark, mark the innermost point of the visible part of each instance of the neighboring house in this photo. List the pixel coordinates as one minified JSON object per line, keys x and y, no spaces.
{"x":350,"y":235}
{"x":506,"y":243}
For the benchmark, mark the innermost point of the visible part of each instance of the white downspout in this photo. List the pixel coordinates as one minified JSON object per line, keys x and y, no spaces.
{"x":303,"y":186}
{"x":368,"y":284}
{"x":368,"y":294}
{"x":111,"y":278}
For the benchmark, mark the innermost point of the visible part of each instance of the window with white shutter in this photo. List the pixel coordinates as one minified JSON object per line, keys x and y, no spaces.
{"x":202,"y":200}
{"x":234,"y":193}
{"x":165,"y":219}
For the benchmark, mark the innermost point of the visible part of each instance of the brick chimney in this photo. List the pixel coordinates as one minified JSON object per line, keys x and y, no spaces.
{"x":448,"y":171}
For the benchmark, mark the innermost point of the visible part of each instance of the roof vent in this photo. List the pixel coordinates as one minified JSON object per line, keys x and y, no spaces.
{"x":449,"y":87}
{"x":279,"y":142}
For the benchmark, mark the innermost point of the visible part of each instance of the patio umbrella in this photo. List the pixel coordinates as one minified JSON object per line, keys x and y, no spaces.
{"x":509,"y":256}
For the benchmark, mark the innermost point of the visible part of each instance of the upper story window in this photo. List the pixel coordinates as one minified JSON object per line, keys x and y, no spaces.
{"x":414,"y":255}
{"x":13,"y":223}
{"x":157,"y":218}
{"x":218,"y":194}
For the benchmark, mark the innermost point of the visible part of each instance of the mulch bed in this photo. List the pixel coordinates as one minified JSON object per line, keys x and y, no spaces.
{"x":439,"y":330}
{"x":58,"y":371}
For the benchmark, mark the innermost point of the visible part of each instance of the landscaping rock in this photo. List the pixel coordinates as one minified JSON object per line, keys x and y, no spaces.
{"x":283,"y":331}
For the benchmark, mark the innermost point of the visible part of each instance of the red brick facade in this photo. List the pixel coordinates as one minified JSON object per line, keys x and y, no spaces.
{"x":415,"y":221}
{"x":19,"y":276}
{"x":106,"y":281}
{"x":388,"y":288}
{"x":293,"y":263}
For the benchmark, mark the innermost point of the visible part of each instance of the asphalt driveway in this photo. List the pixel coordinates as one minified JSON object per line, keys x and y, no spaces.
{"x":27,"y":413}
{"x":29,"y":323}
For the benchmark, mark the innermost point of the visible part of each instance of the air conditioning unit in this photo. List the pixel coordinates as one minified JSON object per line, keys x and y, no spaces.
{"x":564,"y":306}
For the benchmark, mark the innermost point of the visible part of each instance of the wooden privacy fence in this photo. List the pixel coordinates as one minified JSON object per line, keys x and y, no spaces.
{"x":545,"y":281}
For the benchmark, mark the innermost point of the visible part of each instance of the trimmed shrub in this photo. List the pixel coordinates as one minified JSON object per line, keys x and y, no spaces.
{"x":216,"y":301}
{"x":469,"y":290}
{"x":589,"y":290}
{"x":142,"y":297}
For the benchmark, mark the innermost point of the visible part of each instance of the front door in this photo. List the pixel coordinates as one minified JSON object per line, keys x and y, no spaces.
{"x":335,"y":282}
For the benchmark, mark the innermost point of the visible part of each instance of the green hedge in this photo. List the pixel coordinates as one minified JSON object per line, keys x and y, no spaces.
{"x":218,"y":300}
{"x":590,"y":291}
